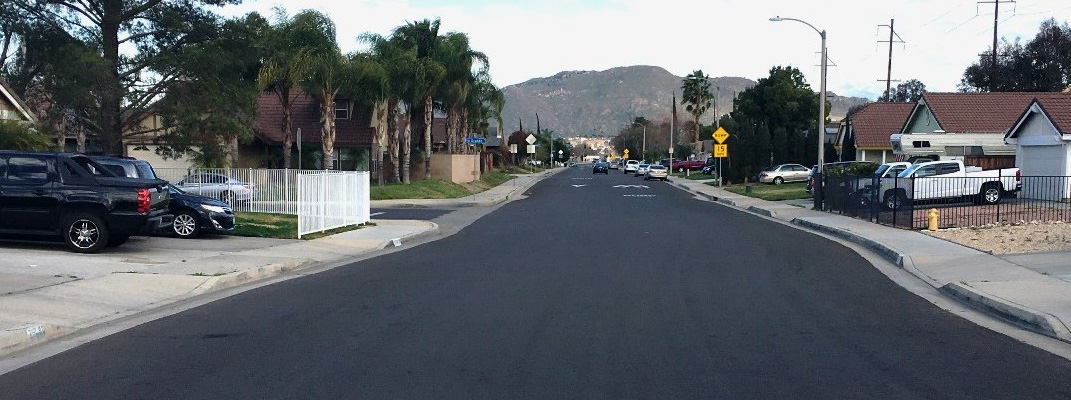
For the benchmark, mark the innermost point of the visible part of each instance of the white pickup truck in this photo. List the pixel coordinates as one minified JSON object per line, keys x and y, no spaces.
{"x":948,"y":180}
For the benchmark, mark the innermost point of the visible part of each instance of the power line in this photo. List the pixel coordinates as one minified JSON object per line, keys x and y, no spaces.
{"x":996,"y":16}
{"x":893,"y":38}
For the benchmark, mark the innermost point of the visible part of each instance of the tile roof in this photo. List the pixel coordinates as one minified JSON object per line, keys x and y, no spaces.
{"x":978,"y":112}
{"x":352,"y":132}
{"x":873,"y":125}
{"x":1058,"y":107}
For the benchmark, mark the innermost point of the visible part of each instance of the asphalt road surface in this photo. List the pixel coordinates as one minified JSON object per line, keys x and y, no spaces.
{"x":584,"y":290}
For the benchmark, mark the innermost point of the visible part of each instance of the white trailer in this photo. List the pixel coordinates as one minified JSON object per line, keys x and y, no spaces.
{"x":949,"y":146}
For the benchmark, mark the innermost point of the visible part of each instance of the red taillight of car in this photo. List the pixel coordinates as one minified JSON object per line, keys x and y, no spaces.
{"x":144,"y":202}
{"x":1018,"y":178}
{"x":762,"y":175}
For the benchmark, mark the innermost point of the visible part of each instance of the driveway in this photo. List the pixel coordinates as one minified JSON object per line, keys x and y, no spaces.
{"x":31,"y":265}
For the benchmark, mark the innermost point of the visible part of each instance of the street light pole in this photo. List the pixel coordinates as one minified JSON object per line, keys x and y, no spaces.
{"x":643,"y":154}
{"x":820,"y":173}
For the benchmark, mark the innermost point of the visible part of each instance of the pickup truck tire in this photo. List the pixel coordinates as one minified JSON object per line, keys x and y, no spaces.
{"x":990,"y":194}
{"x":680,"y":169}
{"x":85,"y":233}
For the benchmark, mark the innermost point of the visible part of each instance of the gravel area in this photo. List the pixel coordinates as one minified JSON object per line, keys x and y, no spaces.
{"x":1023,"y":237}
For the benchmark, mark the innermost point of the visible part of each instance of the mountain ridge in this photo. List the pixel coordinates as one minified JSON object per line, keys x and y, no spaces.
{"x":600,"y":103}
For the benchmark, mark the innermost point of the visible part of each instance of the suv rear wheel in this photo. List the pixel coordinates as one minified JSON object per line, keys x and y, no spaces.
{"x":85,"y":233}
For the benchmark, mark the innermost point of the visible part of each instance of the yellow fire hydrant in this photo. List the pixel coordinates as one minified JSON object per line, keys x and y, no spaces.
{"x":933,"y":219}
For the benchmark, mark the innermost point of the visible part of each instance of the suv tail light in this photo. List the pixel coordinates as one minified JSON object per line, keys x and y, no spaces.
{"x":143,"y":200}
{"x":1018,"y":178}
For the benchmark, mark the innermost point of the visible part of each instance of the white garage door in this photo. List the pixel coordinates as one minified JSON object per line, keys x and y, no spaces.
{"x":1044,"y":170}
{"x":157,"y":162}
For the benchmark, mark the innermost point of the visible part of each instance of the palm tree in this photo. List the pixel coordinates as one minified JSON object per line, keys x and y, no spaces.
{"x":696,"y":97}
{"x":397,"y":62}
{"x":324,"y":72}
{"x":458,"y":58}
{"x":281,"y":72}
{"x":423,"y":37}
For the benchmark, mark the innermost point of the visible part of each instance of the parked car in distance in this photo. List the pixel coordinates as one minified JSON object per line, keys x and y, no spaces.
{"x":656,"y":171}
{"x":600,"y":168}
{"x":73,"y":197}
{"x":195,"y":214}
{"x":691,"y":165}
{"x":784,"y":173}
{"x":947,"y":180}
{"x":630,"y":166}
{"x":217,"y":186}
{"x":641,"y":169}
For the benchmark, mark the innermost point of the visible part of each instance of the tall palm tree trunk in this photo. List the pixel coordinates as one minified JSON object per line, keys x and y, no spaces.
{"x":327,"y":128}
{"x":406,"y":144}
{"x":287,"y":126}
{"x":427,"y":137}
{"x":393,"y":139}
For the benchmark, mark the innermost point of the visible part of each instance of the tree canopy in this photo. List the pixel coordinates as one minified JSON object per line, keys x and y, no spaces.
{"x":1043,"y":64}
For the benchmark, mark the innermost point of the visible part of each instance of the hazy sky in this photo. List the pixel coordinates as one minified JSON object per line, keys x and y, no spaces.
{"x":537,"y":38}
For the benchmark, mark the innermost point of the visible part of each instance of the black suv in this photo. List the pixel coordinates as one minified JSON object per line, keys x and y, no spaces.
{"x":600,"y":168}
{"x":71,"y":196}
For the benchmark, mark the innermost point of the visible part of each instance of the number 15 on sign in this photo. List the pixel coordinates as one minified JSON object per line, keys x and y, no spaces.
{"x":721,"y":151}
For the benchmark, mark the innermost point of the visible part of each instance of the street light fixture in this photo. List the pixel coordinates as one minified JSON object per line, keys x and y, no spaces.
{"x":819,"y":174}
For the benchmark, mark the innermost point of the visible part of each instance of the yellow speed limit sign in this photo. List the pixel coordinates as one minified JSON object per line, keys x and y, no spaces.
{"x":721,"y":150}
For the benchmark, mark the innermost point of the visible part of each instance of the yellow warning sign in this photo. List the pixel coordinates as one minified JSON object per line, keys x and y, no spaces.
{"x":721,"y":150}
{"x":720,"y":135}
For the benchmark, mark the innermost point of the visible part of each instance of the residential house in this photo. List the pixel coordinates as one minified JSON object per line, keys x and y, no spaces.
{"x":12,"y":108}
{"x":967,"y":126}
{"x":1042,"y":138}
{"x":140,"y":142}
{"x":353,"y":138}
{"x":871,"y":128}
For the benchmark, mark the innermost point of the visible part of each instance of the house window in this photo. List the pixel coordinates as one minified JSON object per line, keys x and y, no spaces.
{"x":342,"y":109}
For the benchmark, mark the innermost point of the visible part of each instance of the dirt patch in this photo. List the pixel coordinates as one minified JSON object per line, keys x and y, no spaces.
{"x":1022,"y":237}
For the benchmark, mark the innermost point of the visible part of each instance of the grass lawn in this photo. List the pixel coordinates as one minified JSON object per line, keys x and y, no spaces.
{"x":788,"y":191}
{"x":276,"y":226}
{"x":694,"y":175}
{"x":437,"y":189}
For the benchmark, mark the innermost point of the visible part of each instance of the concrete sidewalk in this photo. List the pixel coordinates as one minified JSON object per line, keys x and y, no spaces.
{"x":47,"y":292}
{"x":1028,"y":298}
{"x":498,"y":194}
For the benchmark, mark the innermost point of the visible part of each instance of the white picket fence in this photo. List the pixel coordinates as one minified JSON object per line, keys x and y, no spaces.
{"x":330,"y":200}
{"x":327,"y":200}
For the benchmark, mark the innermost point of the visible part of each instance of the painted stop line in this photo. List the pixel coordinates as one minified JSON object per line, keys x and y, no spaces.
{"x":633,"y":186}
{"x":639,"y":195}
{"x":579,"y":185}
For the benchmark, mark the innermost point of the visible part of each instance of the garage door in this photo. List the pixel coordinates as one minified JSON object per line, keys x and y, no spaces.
{"x":148,"y":153}
{"x":1044,"y":172}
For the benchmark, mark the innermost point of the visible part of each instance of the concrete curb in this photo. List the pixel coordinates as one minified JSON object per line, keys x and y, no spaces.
{"x":24,"y":336}
{"x":237,"y":278}
{"x":888,"y":253}
{"x":1037,"y":321}
{"x":762,"y":211}
{"x":412,"y":237}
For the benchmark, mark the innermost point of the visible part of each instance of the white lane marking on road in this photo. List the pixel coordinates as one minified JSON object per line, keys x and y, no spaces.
{"x":582,"y":178}
{"x":378,"y":213}
{"x":633,"y":186}
{"x":639,"y":195}
{"x":579,"y":185}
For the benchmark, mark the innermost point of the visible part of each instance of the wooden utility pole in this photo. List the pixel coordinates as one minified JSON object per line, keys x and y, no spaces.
{"x":893,"y":38}
{"x":996,"y":15}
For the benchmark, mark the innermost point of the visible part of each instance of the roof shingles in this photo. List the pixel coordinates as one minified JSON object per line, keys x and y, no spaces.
{"x":1058,"y":107}
{"x":873,"y":125}
{"x":978,"y":112}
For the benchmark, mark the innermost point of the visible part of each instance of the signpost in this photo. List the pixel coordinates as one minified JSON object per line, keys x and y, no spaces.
{"x":721,"y":150}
